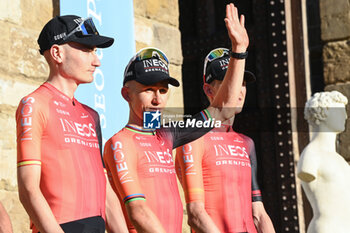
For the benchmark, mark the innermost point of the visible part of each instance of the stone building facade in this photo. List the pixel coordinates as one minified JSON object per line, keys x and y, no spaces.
{"x":329,"y":50}
{"x":22,"y":68}
{"x":335,"y":35}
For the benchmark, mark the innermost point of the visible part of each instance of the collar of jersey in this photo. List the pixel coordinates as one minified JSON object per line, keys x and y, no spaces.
{"x":140,"y":131}
{"x":224,"y":128}
{"x":58,"y":92}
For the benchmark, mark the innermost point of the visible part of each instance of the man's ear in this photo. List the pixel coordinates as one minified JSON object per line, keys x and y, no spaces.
{"x":208,"y":90}
{"x":56,"y":53}
{"x":125,"y":93}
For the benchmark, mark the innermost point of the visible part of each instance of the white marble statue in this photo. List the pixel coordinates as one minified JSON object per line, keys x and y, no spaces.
{"x":324,"y":173}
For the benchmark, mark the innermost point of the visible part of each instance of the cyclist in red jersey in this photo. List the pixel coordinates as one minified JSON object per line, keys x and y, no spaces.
{"x":61,"y":179}
{"x":218,"y":170}
{"x":139,"y":161}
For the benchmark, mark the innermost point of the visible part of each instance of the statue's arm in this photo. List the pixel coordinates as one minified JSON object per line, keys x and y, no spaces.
{"x":307,"y":166}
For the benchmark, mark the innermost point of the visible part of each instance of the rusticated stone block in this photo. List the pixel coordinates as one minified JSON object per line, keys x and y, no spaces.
{"x":175,"y":71}
{"x":140,"y":45}
{"x":343,"y":138}
{"x":12,"y":90}
{"x":25,"y":59}
{"x":336,"y":59}
{"x":175,"y":95}
{"x":335,"y":19}
{"x":165,"y":11}
{"x":159,"y":35}
{"x":140,"y":8}
{"x":5,"y":47}
{"x":143,"y":32}
{"x":169,"y":39}
{"x":41,"y":11}
{"x":11,"y":11}
{"x":8,"y":144}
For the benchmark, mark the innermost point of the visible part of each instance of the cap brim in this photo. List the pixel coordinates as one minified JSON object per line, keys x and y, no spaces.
{"x":249,"y":77}
{"x":93,"y":40}
{"x":152,"y":79}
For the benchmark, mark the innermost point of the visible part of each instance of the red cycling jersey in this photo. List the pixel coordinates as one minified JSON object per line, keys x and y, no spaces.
{"x":218,"y":169}
{"x":62,"y":136}
{"x":140,"y":166}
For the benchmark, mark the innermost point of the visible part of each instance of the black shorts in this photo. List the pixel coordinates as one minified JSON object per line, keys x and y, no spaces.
{"x":85,"y":225}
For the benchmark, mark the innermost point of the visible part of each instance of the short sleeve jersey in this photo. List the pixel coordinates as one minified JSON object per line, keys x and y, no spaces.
{"x":219,"y":170}
{"x":141,"y":165}
{"x":62,"y":136}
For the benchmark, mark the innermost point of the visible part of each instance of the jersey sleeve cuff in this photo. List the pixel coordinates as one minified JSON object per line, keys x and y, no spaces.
{"x":28,"y":162}
{"x":206,"y":115}
{"x":194,"y":195}
{"x":256,"y":195}
{"x":134,"y":197}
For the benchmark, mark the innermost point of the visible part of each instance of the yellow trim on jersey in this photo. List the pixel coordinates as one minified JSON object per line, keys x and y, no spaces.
{"x":29,"y":162}
{"x":196,"y":190}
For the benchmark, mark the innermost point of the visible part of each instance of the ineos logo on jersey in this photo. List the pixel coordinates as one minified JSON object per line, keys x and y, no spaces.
{"x":118,"y":156}
{"x":187,"y":151}
{"x":188,"y":160}
{"x":231,"y":150}
{"x":121,"y":165}
{"x":159,"y":157}
{"x":78,"y":128}
{"x":26,"y":120}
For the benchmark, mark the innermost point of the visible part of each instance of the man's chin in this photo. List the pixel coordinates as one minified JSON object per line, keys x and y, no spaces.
{"x":238,"y":110}
{"x":87,"y":81}
{"x":153,"y":109}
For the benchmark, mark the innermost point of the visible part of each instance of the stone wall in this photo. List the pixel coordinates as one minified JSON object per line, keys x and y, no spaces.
{"x":22,"y":69}
{"x":335,"y":34}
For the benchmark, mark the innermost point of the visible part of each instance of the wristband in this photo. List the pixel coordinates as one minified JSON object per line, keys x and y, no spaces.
{"x":239,"y":55}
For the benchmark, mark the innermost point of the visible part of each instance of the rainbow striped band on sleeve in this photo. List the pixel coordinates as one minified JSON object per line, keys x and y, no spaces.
{"x":28,"y":162}
{"x":134,"y":197}
{"x":206,"y":115}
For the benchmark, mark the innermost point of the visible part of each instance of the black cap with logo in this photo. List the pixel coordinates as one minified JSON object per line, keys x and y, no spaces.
{"x":216,"y":64}
{"x":149,"y":66}
{"x":71,"y":28}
